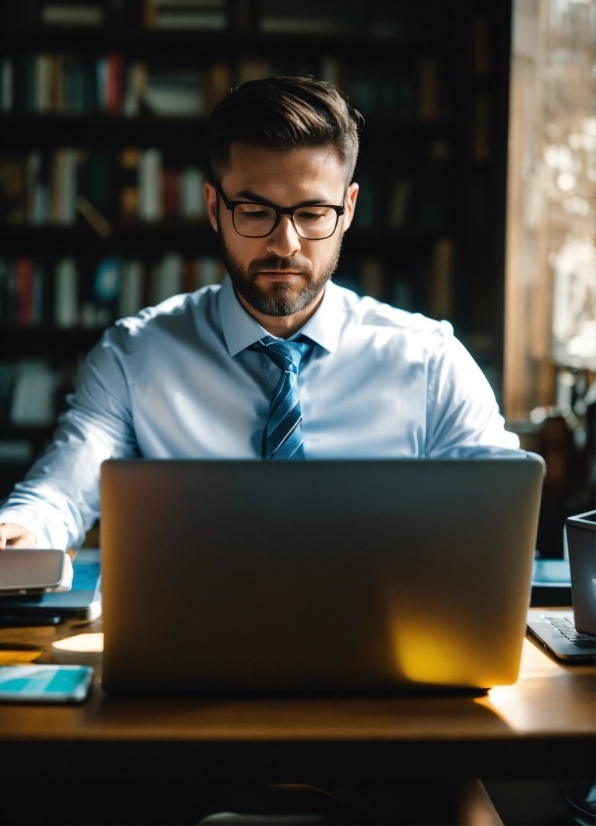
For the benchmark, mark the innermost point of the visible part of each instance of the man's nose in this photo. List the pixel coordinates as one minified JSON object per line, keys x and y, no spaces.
{"x":284,"y":240}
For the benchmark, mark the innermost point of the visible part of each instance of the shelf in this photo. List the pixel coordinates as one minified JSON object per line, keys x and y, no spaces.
{"x":142,"y":241}
{"x":62,"y":345}
{"x":221,"y":44}
{"x":147,"y":241}
{"x":105,"y":131}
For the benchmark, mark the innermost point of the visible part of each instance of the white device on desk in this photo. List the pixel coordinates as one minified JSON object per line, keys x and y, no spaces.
{"x":82,"y":601}
{"x":33,"y":571}
{"x":572,"y":636}
{"x":333,"y":576}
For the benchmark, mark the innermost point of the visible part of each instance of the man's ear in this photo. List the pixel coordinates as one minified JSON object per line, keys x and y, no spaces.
{"x":210,"y":194}
{"x":350,"y":204}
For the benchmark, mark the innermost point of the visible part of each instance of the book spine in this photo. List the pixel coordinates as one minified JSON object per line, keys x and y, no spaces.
{"x":211,"y":271}
{"x":427,"y":105}
{"x":193,"y":201}
{"x":37,"y":295}
{"x":441,"y":287}
{"x":372,"y":279}
{"x":24,"y":270}
{"x":68,"y":187}
{"x":150,"y":203}
{"x":6,"y":85}
{"x":114,"y":83}
{"x":130,"y":300}
{"x":66,"y":294}
{"x":101,"y":68}
{"x":41,"y":83}
{"x":167,"y":278}
{"x":170,"y":190}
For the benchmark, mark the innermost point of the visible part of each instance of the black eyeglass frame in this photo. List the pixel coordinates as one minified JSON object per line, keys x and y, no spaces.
{"x":279,"y":211}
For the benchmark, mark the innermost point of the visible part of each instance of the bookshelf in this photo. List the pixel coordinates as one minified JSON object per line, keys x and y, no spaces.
{"x":103,"y":151}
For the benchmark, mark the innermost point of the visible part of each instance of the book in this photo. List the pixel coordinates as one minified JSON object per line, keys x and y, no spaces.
{"x":72,"y":14}
{"x":481,"y":150}
{"x":399,"y":202}
{"x":372,"y":278}
{"x":441,"y":283}
{"x":94,"y":180}
{"x":211,"y":271}
{"x":130,"y":299}
{"x":309,"y":17}
{"x":38,"y":188}
{"x":363,"y":91}
{"x":114,"y":83}
{"x":41,"y":83}
{"x":150,"y":205}
{"x":427,"y":104}
{"x":174,"y":93}
{"x":136,"y":83}
{"x":63,"y":207}
{"x":192,"y":200}
{"x":37,"y":309}
{"x":13,"y":201}
{"x":129,"y":194}
{"x":217,"y":84}
{"x":66,"y":312}
{"x":402,"y":294}
{"x":332,"y":71}
{"x":6,"y":85}
{"x":167,"y":278}
{"x":170,"y":184}
{"x":8,"y":292}
{"x":24,"y":271}
{"x":94,"y":218}
{"x":107,"y":285}
{"x":253,"y":69}
{"x":185,"y":14}
{"x":32,"y":403}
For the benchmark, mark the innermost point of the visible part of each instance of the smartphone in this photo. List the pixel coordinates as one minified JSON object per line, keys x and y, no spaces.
{"x":30,"y":571}
{"x":45,"y":683}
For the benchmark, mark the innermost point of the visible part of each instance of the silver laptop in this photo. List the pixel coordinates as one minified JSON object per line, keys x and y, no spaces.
{"x":571,"y":635}
{"x":321,"y":576}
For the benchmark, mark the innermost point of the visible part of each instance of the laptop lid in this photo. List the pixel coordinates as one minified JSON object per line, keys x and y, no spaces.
{"x":316,"y":576}
{"x":581,"y":544}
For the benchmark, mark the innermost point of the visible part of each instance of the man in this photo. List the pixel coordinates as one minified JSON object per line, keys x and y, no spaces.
{"x":279,"y":362}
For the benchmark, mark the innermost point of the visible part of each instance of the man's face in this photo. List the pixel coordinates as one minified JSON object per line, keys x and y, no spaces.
{"x":281,"y":274}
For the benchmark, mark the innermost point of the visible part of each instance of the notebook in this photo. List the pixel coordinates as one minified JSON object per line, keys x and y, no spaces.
{"x":320,"y":576}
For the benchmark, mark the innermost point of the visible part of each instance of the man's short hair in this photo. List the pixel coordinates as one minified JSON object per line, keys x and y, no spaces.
{"x":284,"y":113}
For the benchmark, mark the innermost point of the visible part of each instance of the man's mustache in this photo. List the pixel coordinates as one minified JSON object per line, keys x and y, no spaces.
{"x":274,"y":262}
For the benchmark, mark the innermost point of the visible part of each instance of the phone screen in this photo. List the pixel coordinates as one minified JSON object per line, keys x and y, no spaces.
{"x":44,"y":683}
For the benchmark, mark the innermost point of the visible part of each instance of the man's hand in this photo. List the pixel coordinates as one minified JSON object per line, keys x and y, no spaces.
{"x":16,"y":536}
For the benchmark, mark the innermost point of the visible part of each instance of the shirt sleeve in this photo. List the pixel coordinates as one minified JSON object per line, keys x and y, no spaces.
{"x":463,"y":418}
{"x":59,"y":499}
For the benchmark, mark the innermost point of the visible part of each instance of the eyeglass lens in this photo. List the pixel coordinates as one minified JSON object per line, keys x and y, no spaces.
{"x":257,"y":220}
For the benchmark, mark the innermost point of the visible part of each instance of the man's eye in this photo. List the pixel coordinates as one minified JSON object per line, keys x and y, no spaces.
{"x":310,"y":216}
{"x":256,"y":214}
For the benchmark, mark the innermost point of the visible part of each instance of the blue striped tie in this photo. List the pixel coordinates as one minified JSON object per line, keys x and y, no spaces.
{"x":282,"y":436}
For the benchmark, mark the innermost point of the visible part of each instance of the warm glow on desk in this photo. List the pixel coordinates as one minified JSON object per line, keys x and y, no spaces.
{"x":87,"y":643}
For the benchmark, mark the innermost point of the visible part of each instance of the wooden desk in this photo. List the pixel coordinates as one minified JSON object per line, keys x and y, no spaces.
{"x":543,"y":727}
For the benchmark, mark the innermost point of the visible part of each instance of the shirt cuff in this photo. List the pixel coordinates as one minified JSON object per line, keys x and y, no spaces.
{"x":47,"y":537}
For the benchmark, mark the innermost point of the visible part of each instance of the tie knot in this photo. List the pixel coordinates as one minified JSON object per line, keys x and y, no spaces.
{"x":286,"y":355}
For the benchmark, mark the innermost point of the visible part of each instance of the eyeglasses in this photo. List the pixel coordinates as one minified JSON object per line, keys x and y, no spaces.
{"x":253,"y":220}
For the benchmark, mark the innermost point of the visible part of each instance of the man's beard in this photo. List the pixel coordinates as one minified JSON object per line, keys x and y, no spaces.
{"x":281,"y":299}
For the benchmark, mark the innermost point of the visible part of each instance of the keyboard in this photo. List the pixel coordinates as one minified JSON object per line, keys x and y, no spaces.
{"x":565,"y":627}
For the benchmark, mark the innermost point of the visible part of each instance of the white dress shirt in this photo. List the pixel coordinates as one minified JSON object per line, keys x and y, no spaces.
{"x":177,"y":381}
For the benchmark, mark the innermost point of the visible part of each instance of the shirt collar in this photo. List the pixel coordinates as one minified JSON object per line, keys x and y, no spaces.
{"x":241,"y":330}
